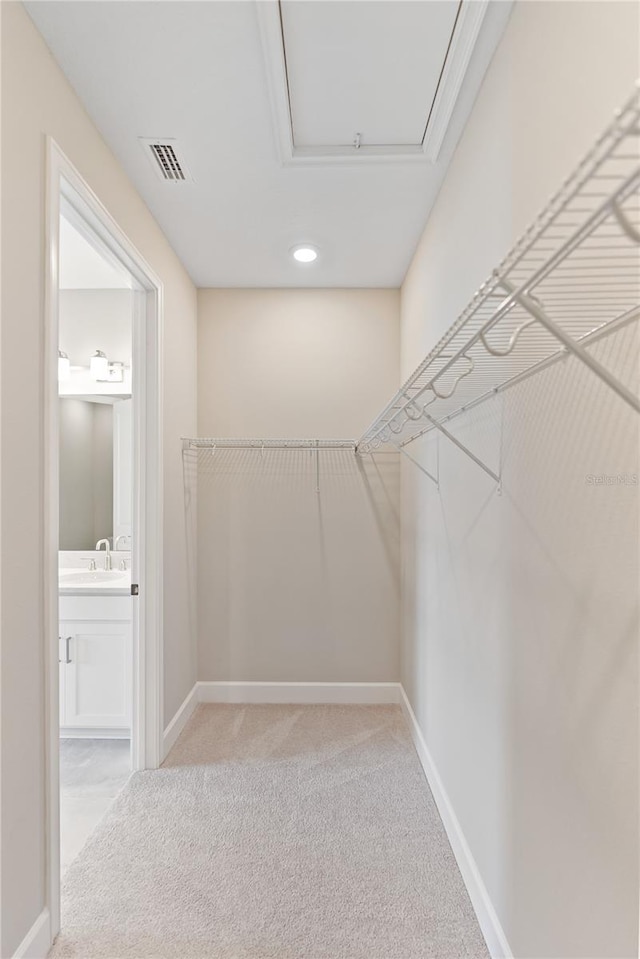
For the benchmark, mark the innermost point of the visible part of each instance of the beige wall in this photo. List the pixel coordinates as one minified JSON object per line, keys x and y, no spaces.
{"x":47,"y":105}
{"x":520,"y":612}
{"x":295,"y":585}
{"x":295,"y":362}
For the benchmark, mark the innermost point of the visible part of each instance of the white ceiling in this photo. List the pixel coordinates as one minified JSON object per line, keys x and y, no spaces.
{"x":196,"y":72}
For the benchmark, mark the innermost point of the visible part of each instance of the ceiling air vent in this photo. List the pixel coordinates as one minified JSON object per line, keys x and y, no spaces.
{"x":166,"y":158}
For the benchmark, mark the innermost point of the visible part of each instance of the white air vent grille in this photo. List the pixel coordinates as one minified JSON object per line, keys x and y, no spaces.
{"x":168,"y":162}
{"x":166,"y":159}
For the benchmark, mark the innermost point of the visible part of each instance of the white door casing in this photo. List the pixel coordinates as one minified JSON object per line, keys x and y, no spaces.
{"x":65,"y":185}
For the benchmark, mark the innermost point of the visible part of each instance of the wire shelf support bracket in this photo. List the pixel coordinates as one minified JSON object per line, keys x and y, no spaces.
{"x":538,"y":313}
{"x":465,"y":449}
{"x":434,"y":479}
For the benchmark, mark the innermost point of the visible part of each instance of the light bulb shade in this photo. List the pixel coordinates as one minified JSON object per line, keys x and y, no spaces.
{"x":64,"y":366}
{"x":304,"y":254}
{"x":99,"y":366}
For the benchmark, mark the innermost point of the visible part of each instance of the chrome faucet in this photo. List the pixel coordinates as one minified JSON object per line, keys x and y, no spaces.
{"x":122,"y":536}
{"x":107,"y":556}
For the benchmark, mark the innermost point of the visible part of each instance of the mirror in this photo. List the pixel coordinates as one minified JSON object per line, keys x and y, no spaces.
{"x":95,"y":470}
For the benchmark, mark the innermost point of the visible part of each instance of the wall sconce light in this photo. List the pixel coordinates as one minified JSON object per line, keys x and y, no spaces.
{"x":99,"y":366}
{"x":104,"y":370}
{"x":64,"y":366}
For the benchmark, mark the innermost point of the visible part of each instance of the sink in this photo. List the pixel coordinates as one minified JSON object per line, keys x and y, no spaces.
{"x":116,"y":578}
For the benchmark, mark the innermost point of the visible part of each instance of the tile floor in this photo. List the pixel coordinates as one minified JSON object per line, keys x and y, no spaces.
{"x":92,"y":773}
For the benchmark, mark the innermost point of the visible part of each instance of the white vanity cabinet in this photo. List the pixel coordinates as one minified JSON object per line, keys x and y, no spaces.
{"x":95,"y":666}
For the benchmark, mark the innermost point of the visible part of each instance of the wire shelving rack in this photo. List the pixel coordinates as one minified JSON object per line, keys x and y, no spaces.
{"x":225,"y":455}
{"x":228,"y":443}
{"x":573,"y":278}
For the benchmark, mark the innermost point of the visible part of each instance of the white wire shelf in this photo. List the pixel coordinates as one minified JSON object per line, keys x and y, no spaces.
{"x":231,"y":443}
{"x":572,"y":278}
{"x":269,"y":458}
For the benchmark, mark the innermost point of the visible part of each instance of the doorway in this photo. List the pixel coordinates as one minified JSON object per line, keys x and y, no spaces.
{"x":103,"y":514}
{"x":96,"y":301}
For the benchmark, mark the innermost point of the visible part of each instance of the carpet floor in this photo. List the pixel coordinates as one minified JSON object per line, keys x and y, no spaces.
{"x":273,"y":832}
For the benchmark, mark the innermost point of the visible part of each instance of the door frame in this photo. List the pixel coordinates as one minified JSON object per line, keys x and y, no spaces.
{"x":64,"y":181}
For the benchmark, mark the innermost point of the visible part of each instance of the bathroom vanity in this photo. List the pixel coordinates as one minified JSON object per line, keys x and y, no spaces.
{"x":95,"y":652}
{"x":95,"y":605}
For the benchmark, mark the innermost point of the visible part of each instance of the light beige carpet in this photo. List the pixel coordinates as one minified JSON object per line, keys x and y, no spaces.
{"x":273,"y":832}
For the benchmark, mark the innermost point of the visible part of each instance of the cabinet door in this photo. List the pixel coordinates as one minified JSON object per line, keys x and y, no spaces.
{"x":98,"y":678}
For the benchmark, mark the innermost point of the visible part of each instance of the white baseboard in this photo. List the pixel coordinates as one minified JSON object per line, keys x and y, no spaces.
{"x":93,"y":732}
{"x":492,"y":930}
{"x":299,"y":693}
{"x":180,"y":720}
{"x":37,"y":942}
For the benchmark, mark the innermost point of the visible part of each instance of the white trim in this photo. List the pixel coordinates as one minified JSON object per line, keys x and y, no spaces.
{"x":51,"y":542}
{"x":180,"y":720}
{"x":487,"y":916}
{"x":462,"y":46}
{"x":64,"y":181}
{"x":94,"y":732}
{"x":463,"y":42}
{"x":37,"y":942}
{"x":276,"y":76}
{"x":146,"y":560}
{"x":310,"y":693}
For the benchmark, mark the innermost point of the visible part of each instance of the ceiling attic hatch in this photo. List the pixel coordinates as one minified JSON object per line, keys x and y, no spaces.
{"x":359,"y":82}
{"x":167,"y":160}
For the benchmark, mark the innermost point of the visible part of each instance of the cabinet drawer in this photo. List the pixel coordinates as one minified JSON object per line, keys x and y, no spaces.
{"x":94,"y":608}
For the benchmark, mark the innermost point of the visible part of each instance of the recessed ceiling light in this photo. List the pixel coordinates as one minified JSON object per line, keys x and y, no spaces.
{"x":304,"y":254}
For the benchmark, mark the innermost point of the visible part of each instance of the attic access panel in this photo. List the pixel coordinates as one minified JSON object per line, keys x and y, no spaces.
{"x":366,"y":78}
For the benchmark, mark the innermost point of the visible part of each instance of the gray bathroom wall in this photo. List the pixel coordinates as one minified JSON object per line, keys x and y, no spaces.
{"x":86,"y":473}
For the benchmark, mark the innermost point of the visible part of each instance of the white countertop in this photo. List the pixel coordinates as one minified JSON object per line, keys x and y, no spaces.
{"x":80,"y":581}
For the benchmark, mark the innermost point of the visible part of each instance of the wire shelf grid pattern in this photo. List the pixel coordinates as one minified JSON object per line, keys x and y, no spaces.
{"x":572,"y":278}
